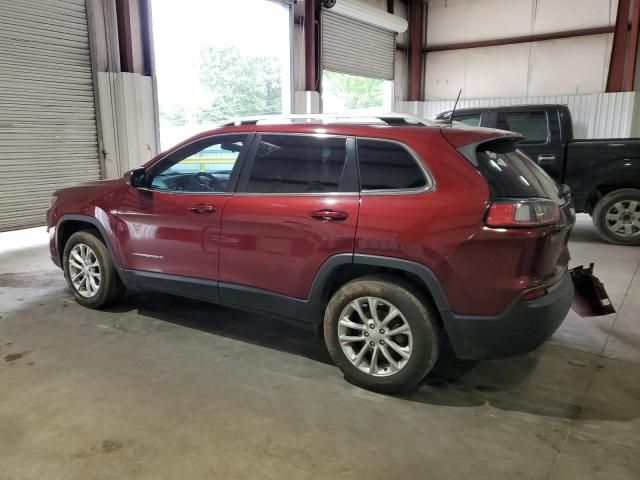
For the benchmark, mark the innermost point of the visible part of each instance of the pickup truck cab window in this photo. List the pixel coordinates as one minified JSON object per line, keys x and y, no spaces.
{"x":473,"y":120}
{"x":300,"y":164}
{"x":204,"y":166}
{"x":532,"y":125}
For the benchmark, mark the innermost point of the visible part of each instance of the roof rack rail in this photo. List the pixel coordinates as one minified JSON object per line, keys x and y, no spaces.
{"x":398,"y":119}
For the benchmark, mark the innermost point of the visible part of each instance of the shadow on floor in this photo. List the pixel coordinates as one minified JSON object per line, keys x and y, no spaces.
{"x":277,"y":333}
{"x":514,"y":384}
{"x":554,"y":387}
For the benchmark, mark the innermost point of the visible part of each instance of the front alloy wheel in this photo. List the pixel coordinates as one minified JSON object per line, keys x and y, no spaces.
{"x":84,"y":270}
{"x":90,"y":271}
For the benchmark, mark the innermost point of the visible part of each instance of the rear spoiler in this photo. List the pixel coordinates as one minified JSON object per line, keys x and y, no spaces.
{"x":468,"y":141}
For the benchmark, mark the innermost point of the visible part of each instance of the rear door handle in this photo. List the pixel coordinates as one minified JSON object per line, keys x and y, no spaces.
{"x":202,"y":208}
{"x":329,"y":215}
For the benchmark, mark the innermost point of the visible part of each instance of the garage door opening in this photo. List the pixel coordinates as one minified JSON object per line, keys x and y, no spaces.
{"x":343,"y":93}
{"x":219,"y":60}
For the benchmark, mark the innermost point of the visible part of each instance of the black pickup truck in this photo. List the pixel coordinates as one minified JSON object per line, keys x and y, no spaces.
{"x":604,"y":174}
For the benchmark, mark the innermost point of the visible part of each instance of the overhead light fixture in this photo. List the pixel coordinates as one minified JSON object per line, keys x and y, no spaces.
{"x":365,"y":13}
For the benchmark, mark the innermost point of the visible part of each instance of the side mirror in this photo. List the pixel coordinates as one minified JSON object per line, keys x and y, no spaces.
{"x":137,"y":177}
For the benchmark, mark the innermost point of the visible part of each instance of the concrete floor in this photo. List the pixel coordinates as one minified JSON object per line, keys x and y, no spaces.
{"x":164,"y":388}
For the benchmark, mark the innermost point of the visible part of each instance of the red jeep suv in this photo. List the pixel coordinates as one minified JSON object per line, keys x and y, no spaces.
{"x":393,"y":236}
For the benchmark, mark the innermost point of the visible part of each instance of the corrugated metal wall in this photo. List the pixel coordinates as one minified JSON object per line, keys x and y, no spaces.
{"x":597,"y":115}
{"x":357,"y":48}
{"x":48,"y":136}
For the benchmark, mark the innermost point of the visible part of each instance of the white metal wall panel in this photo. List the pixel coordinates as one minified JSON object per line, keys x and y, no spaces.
{"x":48,"y":136}
{"x":597,"y":115}
{"x":357,"y":48}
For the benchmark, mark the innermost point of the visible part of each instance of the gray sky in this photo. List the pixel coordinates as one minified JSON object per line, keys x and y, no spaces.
{"x":182,"y":28}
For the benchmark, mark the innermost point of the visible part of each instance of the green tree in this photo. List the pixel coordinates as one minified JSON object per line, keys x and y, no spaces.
{"x":239,"y":84}
{"x":359,"y":92}
{"x":173,"y":115}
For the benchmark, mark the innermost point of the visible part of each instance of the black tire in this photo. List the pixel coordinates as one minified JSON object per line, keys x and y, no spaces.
{"x":600,"y":222}
{"x":110,"y":288}
{"x":416,"y":311}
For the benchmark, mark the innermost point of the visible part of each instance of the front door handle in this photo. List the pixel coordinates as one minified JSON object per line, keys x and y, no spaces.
{"x":202,"y":208}
{"x":329,"y":215}
{"x":546,"y":160}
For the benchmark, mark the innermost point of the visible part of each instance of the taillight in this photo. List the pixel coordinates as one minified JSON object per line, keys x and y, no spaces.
{"x":534,"y":293}
{"x":535,"y":212}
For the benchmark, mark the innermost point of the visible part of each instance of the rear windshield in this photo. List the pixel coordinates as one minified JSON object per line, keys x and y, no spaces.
{"x":513,"y":174}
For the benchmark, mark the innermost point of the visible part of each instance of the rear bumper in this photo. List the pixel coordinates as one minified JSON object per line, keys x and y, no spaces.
{"x":524,"y":326}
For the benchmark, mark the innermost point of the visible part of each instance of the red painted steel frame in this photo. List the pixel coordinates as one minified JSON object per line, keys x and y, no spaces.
{"x":416,"y":56}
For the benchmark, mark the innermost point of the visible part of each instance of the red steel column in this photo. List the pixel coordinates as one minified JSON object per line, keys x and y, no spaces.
{"x":416,"y":57}
{"x":632,"y":47}
{"x":616,"y":64}
{"x":310,"y":45}
{"x":124,"y":35}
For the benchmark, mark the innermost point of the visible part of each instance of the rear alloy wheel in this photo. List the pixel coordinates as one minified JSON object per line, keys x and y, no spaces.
{"x":616,"y":217}
{"x":381,"y":333}
{"x":374,"y":336}
{"x":90,"y":271}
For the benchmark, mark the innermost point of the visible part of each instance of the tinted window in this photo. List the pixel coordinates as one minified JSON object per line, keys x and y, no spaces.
{"x":203,"y":166}
{"x":388,"y":166}
{"x":531,"y":125}
{"x":512,"y":174}
{"x":297,"y":164}
{"x":471,"y":120}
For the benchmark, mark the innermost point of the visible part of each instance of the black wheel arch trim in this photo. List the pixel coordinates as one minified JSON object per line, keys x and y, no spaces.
{"x":421,"y":271}
{"x":311,"y":308}
{"x":96,"y":223}
{"x":255,"y":299}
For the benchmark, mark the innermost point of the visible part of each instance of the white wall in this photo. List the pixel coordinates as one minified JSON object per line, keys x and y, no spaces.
{"x":458,"y":21}
{"x":128,"y":126}
{"x":569,"y":66}
{"x":598,"y":115}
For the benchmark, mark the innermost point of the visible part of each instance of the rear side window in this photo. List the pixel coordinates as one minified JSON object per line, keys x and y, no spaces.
{"x":513,"y":174}
{"x":297,"y":164}
{"x":388,"y":166}
{"x":531,"y":125}
{"x":473,"y":120}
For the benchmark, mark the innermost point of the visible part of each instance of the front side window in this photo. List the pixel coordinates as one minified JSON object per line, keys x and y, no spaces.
{"x":297,"y":164}
{"x":387,"y":165}
{"x":202,"y":167}
{"x":531,"y":125}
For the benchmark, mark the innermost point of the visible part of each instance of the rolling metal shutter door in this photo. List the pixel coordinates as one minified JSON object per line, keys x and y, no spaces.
{"x":48,"y":136}
{"x":357,"y":48}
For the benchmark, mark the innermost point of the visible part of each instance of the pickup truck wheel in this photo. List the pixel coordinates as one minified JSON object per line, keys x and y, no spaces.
{"x":381,"y":333}
{"x":90,"y":272}
{"x":616,"y":217}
